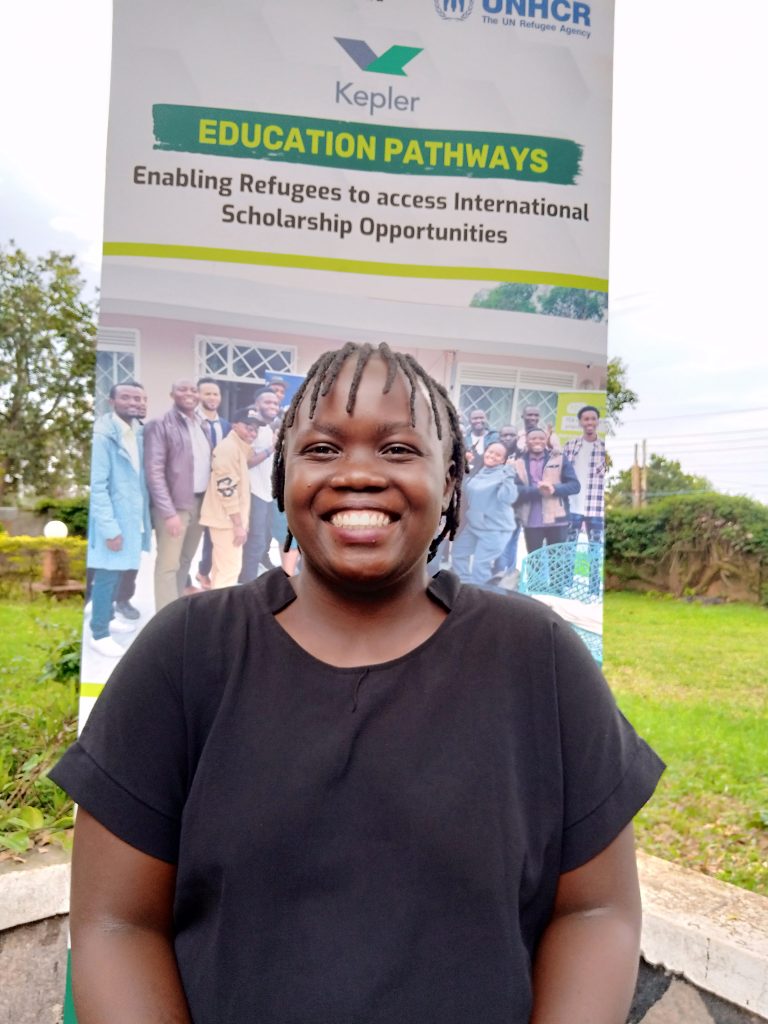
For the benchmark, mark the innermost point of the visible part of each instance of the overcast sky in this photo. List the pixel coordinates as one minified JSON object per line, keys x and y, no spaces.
{"x":689,"y":229}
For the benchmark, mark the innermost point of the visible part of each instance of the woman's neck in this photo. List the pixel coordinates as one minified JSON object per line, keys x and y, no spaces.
{"x":349,"y":626}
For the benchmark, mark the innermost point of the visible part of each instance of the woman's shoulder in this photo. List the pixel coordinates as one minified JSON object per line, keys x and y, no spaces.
{"x":507,"y":608}
{"x":266,"y":595}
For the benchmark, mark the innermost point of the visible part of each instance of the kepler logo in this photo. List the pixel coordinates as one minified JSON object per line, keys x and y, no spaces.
{"x":391,"y":62}
{"x":454,"y":10}
{"x":572,"y":17}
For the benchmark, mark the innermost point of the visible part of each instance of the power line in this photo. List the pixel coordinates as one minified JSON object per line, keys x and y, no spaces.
{"x":694,"y":440}
{"x":690,"y":442}
{"x":738,"y":432}
{"x":714,"y":449}
{"x":697,"y":415}
{"x":695,"y":448}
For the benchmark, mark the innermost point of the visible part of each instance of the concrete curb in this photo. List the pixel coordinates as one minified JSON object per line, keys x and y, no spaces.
{"x":714,"y":935}
{"x":35,"y":890}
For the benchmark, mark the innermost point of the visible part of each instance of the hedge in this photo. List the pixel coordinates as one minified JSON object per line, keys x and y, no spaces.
{"x":709,"y":544}
{"x":21,"y":559}
{"x":72,"y":511}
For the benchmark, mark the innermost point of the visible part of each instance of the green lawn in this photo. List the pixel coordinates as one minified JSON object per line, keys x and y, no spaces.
{"x":693,"y":679}
{"x":37,"y":720}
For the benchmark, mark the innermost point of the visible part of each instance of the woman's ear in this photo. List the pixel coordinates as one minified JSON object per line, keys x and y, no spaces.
{"x":449,"y":485}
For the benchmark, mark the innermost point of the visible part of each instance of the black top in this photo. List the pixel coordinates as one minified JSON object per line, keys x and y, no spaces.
{"x":371,"y":845}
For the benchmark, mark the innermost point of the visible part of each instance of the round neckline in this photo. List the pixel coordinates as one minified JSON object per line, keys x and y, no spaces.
{"x":276,"y":593}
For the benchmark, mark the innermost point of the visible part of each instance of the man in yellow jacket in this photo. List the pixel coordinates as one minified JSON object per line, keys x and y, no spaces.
{"x":227,"y":502}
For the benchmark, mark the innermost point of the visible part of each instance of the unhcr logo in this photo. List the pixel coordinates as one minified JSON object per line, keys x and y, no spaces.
{"x":454,"y":10}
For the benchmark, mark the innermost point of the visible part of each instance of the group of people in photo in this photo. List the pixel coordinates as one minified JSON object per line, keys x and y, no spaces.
{"x":190,"y":476}
{"x":521,"y":479}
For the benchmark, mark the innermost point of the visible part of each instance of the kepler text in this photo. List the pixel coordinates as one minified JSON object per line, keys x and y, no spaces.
{"x":348,"y":94}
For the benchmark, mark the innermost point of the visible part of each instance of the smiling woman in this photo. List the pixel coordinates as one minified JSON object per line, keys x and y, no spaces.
{"x":361,"y":793}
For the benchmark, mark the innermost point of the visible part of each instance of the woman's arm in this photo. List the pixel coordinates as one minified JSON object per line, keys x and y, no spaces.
{"x":586,"y":964}
{"x":123,"y":965}
{"x":508,"y":488}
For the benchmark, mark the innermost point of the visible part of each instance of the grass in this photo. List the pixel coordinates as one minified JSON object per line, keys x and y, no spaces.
{"x":693,"y":679}
{"x":38,"y":717}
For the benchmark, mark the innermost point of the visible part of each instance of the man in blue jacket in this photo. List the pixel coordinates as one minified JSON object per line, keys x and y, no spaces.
{"x":118,"y":523}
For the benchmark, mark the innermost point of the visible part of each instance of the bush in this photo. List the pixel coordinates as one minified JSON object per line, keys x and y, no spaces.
{"x":21,"y":559}
{"x":63,"y":664}
{"x":72,"y":511}
{"x":712,"y":544}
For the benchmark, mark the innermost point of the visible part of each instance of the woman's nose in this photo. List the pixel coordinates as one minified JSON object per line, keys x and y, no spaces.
{"x":359,"y":471}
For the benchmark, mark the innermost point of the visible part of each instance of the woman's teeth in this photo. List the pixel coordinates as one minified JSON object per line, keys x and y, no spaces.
{"x":360,"y":518}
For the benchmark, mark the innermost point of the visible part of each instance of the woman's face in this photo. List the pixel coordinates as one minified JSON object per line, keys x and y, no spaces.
{"x":494,"y":455}
{"x":364,"y":493}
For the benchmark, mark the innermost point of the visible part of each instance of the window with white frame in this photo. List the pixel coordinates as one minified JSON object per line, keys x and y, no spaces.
{"x":230,"y":359}
{"x":239,"y":366}
{"x":117,"y":357}
{"x":502,"y":392}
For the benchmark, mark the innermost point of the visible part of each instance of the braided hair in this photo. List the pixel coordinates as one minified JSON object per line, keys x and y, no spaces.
{"x":321,"y":378}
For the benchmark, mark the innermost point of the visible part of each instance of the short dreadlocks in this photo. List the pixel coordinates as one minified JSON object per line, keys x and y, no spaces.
{"x":319,"y":380}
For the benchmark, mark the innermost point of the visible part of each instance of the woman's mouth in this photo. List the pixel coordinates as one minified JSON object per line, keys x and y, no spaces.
{"x":360,"y":519}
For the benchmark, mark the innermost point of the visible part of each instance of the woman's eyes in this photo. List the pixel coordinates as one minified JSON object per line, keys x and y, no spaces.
{"x":321,"y":449}
{"x":399,"y":450}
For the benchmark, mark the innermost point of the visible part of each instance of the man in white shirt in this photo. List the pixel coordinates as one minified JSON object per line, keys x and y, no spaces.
{"x":587,"y":455}
{"x":477,"y":439}
{"x":265,"y":408}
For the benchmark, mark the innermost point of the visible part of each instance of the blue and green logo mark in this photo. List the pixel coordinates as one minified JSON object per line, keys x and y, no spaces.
{"x":391,"y":62}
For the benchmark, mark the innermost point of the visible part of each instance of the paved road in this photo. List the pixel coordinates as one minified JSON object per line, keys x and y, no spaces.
{"x":663,"y":999}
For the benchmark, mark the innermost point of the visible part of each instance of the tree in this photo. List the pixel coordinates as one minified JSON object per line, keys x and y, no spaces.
{"x":665,"y":477}
{"x":618,"y":393}
{"x":519,"y":298}
{"x":574,"y":303}
{"x":47,"y":366}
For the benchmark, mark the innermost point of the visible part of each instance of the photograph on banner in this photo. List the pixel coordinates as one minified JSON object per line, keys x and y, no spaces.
{"x":162,"y":371}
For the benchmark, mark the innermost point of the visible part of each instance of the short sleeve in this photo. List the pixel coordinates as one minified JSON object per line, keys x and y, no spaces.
{"x":609,"y":772}
{"x":129,"y":768}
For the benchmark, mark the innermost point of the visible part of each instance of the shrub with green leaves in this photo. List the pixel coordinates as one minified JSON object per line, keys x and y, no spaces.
{"x":21,"y":560}
{"x":699,"y":544}
{"x":73,"y":512}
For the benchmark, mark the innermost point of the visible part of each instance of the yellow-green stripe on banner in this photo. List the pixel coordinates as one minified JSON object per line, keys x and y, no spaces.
{"x":341,"y":266}
{"x":91,"y":689}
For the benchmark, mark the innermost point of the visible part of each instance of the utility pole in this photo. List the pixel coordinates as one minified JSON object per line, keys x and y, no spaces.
{"x":644,"y":477}
{"x":639,"y":479}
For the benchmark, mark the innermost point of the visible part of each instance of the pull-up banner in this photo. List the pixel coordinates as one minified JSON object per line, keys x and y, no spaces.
{"x":463,"y":140}
{"x":286,"y":177}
